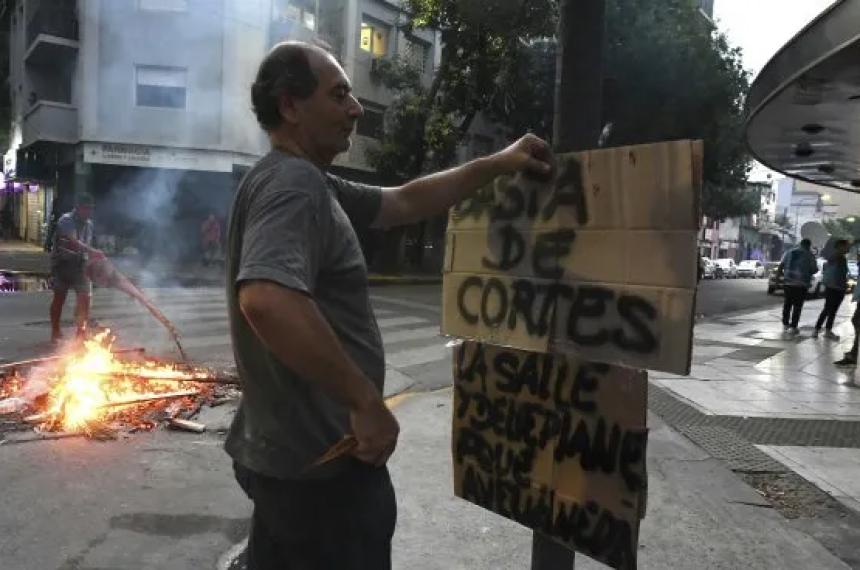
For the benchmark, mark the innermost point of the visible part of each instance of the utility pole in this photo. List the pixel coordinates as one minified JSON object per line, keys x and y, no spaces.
{"x":579,"y":75}
{"x":577,"y":126}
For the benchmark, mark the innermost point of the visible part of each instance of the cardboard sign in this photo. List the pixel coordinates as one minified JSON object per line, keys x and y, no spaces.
{"x":553,"y":443}
{"x":600,"y":262}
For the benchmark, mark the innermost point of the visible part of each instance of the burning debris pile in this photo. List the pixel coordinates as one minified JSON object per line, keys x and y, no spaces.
{"x":100,"y":392}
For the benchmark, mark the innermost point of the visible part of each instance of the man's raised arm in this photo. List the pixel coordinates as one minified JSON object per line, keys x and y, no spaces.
{"x":433,"y":194}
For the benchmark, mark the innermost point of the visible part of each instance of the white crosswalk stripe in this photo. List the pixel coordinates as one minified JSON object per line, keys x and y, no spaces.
{"x":426,"y":333}
{"x":399,"y":321}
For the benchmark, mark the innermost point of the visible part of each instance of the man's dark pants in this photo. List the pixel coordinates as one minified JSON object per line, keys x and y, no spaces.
{"x":794,"y":299}
{"x":832,"y":300}
{"x":343,"y":523}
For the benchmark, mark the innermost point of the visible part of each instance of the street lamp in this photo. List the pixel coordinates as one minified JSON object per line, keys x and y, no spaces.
{"x":850,"y":219}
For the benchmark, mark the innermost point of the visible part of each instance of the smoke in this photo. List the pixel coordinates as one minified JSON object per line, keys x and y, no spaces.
{"x":177,"y":83}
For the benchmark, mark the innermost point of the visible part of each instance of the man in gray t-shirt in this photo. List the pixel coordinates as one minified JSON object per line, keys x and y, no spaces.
{"x":307,"y":346}
{"x":71,"y":247}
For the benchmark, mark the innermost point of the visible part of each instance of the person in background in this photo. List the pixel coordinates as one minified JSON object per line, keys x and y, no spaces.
{"x":210,"y":233}
{"x":797,"y":267}
{"x":72,"y":247}
{"x":836,"y":283}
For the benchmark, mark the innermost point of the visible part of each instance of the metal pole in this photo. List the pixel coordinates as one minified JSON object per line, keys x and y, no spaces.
{"x":577,"y":126}
{"x":579,"y":75}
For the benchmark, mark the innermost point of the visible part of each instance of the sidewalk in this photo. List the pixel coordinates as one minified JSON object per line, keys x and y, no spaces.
{"x":22,"y":256}
{"x":700,"y":515}
{"x":770,"y":405}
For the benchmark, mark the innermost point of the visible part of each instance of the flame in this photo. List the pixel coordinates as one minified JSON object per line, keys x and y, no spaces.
{"x":91,"y":385}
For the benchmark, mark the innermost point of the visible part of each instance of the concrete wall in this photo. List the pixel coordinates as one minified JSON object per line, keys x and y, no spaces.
{"x":127,"y":37}
{"x":245,"y":43}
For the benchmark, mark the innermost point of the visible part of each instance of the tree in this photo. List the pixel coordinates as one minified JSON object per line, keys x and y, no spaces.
{"x":480,"y":60}
{"x":672,"y":76}
{"x":669,"y":75}
{"x":844,"y":228}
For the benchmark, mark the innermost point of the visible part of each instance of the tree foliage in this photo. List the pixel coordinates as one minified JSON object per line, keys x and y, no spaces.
{"x":844,"y":228}
{"x":672,"y":76}
{"x":669,"y":75}
{"x":482,"y":45}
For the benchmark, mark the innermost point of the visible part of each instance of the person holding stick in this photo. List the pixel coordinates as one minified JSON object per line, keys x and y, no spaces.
{"x":308,"y":349}
{"x":72,"y":248}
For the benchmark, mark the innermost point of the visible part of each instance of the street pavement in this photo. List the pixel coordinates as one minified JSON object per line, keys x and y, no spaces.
{"x":167,"y":500}
{"x":720,"y":296}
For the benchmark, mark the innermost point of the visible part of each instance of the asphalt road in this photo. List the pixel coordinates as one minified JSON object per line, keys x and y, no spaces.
{"x":718,"y":296}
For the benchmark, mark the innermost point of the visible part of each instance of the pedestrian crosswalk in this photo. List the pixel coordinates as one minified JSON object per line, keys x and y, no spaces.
{"x":410,"y":330}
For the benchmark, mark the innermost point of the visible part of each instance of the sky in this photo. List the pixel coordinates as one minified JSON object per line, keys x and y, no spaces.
{"x":761,"y":28}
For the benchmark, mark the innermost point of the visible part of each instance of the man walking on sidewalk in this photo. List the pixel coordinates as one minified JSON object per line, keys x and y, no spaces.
{"x":306,"y":343}
{"x":797,"y":266}
{"x":836,"y":283}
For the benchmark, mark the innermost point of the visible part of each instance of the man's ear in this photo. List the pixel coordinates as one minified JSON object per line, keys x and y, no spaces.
{"x":287,"y":109}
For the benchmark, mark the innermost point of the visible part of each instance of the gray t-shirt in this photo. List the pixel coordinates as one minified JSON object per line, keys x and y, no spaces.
{"x":70,"y":226}
{"x":293,"y":224}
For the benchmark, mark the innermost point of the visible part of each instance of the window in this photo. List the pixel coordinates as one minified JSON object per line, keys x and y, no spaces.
{"x":371,"y":123}
{"x":164,"y":5}
{"x":289,"y":11}
{"x":374,"y":39}
{"x":415,"y":52}
{"x":163,"y":87}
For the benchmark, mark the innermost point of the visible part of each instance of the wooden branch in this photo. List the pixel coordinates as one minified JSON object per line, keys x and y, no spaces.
{"x":151,"y":398}
{"x":186,"y":425}
{"x":35,"y":361}
{"x":223,"y":380}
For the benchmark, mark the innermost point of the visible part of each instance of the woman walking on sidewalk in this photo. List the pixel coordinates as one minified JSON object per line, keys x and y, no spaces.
{"x":836,"y":283}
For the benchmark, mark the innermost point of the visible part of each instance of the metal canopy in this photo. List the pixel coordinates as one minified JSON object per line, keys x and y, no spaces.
{"x":804,"y":107}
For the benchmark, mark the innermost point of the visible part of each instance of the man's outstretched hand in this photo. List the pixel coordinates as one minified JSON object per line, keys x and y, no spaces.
{"x":376,"y":430}
{"x":530,"y":154}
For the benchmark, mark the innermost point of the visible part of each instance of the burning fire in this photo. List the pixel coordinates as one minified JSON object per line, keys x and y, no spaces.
{"x":92,"y":385}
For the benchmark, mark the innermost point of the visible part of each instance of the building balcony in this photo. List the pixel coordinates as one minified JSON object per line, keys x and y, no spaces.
{"x":52,"y":35}
{"x":50,"y":121}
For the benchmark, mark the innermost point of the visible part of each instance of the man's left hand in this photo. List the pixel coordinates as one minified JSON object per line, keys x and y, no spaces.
{"x":530,"y":154}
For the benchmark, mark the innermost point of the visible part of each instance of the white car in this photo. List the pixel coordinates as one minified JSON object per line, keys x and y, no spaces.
{"x":816,"y":287}
{"x":727,"y":268}
{"x":751,"y":268}
{"x":707,"y":268}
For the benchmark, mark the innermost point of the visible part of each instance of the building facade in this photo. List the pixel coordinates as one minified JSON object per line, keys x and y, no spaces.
{"x":756,"y":236}
{"x":146,"y":104}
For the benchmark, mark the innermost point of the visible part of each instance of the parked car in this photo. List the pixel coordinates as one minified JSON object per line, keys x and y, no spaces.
{"x":775,"y":281}
{"x":727,"y":268}
{"x":751,"y":268}
{"x":707,"y":268}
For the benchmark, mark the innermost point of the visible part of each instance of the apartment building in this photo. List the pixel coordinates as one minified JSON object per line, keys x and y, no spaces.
{"x":145,"y":104}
